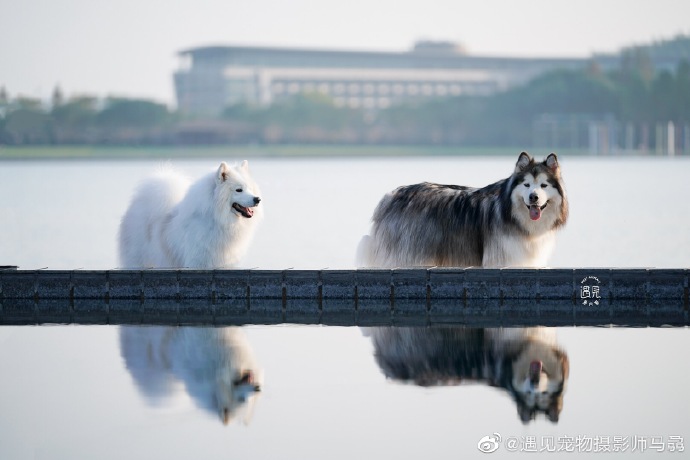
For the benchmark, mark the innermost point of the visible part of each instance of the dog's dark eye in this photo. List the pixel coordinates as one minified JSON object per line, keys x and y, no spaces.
{"x":526,"y":185}
{"x":544,"y":185}
{"x":239,"y":190}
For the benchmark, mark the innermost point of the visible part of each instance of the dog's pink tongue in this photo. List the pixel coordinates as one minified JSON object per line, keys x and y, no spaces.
{"x":534,"y":212}
{"x":535,"y":368}
{"x":249,"y":211}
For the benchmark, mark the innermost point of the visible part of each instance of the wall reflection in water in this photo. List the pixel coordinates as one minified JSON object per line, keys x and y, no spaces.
{"x":214,"y":366}
{"x":525,"y":362}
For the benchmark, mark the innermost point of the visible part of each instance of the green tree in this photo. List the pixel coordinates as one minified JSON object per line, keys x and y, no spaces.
{"x":74,"y":120}
{"x":563,"y":91}
{"x":310,"y":109}
{"x":4,"y":98}
{"x":28,"y":103}
{"x":28,"y":126}
{"x":682,"y":97}
{"x":132,"y":113}
{"x":78,"y":112}
{"x":58,"y":98}
{"x":244,"y":112}
{"x":663,"y":97}
{"x":634,"y":95}
{"x":637,"y":62}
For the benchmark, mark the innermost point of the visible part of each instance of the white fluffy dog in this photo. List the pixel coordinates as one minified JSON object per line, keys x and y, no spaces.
{"x":215,"y":366}
{"x":206,"y":224}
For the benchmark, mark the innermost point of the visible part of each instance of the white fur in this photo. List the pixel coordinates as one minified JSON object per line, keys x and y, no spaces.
{"x":506,"y":250}
{"x":547,"y":195}
{"x":206,"y":362}
{"x":509,"y":250}
{"x":172,"y":223}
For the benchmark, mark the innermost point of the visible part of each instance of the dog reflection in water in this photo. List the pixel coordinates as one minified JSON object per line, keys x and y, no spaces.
{"x":214,"y":366}
{"x":524,"y":361}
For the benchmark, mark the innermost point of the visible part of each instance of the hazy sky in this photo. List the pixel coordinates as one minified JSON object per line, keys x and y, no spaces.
{"x":128,"y":47}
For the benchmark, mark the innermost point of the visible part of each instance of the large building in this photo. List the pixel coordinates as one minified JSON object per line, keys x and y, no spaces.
{"x":212,"y":78}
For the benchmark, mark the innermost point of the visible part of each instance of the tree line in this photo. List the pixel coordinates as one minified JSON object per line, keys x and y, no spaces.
{"x":83,"y":120}
{"x":632,"y":93}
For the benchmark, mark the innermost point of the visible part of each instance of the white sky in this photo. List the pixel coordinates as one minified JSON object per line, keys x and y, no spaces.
{"x":128,"y":47}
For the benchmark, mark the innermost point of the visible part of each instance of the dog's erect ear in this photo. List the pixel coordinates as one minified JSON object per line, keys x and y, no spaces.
{"x":552,"y":162}
{"x":553,"y":412}
{"x":223,"y":172}
{"x":523,"y":161}
{"x":245,"y":166}
{"x":525,"y":413}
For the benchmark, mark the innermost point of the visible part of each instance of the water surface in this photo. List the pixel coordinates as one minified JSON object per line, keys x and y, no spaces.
{"x":96,"y":392}
{"x":67,"y":392}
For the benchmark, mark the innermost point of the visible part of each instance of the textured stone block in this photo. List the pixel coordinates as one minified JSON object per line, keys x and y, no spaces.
{"x":125,"y":311}
{"x":230,"y":311}
{"x":52,"y":284}
{"x":125,"y":284}
{"x":623,"y":312}
{"x":195,"y":285}
{"x":338,"y":310}
{"x":519,"y":312}
{"x":266,"y":311}
{"x":444,"y":311}
{"x":266,"y":284}
{"x":447,"y":283}
{"x":337,"y":285}
{"x":556,"y":312}
{"x":629,"y":284}
{"x":89,"y":284}
{"x":373,"y":312}
{"x":18,"y":311}
{"x":412,"y":312}
{"x":374,"y":284}
{"x":409,"y":283}
{"x":302,"y":284}
{"x":519,"y":283}
{"x":667,"y":284}
{"x":483,"y":283}
{"x":19,"y":284}
{"x":54,"y":311}
{"x":302,"y":311}
{"x":556,"y":284}
{"x":374,"y":307}
{"x":90,"y":311}
{"x":160,"y":284}
{"x":483,"y":312}
{"x":195,"y":311}
{"x":231,"y":284}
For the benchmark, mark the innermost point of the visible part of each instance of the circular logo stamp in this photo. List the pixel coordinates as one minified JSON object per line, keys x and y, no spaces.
{"x":590,"y":292}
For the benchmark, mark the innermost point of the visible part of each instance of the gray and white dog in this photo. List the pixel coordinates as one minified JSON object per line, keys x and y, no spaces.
{"x":511,"y":222}
{"x":525,"y":362}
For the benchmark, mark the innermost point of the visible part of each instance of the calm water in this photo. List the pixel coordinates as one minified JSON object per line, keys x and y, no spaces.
{"x":103,"y":392}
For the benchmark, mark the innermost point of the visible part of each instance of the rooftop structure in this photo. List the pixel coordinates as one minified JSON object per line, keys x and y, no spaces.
{"x":212,"y":78}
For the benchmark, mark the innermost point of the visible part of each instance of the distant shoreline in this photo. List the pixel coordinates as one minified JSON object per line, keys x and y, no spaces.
{"x":15,"y":153}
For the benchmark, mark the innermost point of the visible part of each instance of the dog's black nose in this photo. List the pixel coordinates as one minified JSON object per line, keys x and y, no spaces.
{"x":257,"y":200}
{"x":533,"y":198}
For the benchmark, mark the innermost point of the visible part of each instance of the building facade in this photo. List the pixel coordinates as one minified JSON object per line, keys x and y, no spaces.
{"x":213,"y":78}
